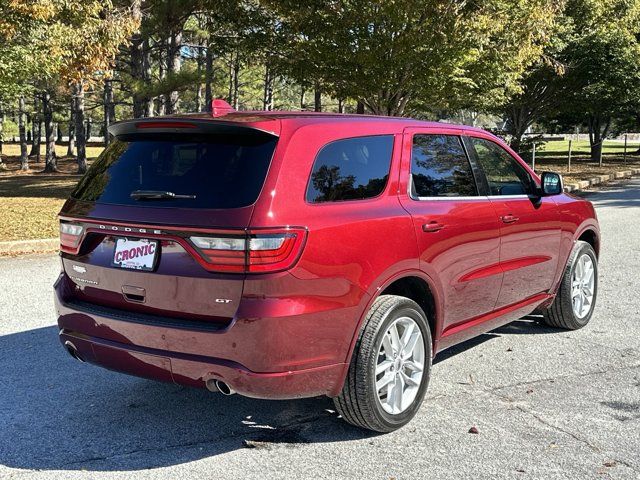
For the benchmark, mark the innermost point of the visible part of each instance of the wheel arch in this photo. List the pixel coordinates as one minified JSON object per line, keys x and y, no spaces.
{"x":413,"y":284}
{"x":591,"y":236}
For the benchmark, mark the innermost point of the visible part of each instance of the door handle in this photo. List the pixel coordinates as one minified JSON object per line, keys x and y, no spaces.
{"x":509,"y":218}
{"x":432,"y":227}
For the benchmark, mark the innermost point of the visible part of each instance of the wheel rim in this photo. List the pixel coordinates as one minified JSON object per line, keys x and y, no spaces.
{"x":401,"y":360}
{"x":583,"y":286}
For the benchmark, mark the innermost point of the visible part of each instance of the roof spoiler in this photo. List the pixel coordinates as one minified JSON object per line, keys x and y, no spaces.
{"x":141,"y":126}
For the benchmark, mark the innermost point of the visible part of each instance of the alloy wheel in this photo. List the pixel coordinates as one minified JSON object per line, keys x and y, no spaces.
{"x":401,"y":361}
{"x":583,"y":286}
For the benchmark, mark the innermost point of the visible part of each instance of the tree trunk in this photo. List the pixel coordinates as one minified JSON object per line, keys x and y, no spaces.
{"x":267,"y":96}
{"x":317,"y":99}
{"x":136,"y":74}
{"x":29,"y":127}
{"x":89,"y":127}
{"x":208,"y":77}
{"x":199,"y":89}
{"x":598,"y":131}
{"x":50,"y":160}
{"x":141,"y":72}
{"x":235,"y":81}
{"x":81,"y":139}
{"x":139,"y":62}
{"x":174,"y":62}
{"x":303,"y":103}
{"x":360,"y":108}
{"x":340,"y":105}
{"x":22,"y":128}
{"x":162,"y":74}
{"x":2,"y":165}
{"x":148,"y":104}
{"x":36,"y":131}
{"x":109,"y":110}
{"x":518,"y":121}
{"x":59,"y":133}
{"x":1,"y":130}
{"x":71,"y":148}
{"x":37,"y":141}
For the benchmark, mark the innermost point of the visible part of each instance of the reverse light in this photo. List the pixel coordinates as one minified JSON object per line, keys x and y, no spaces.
{"x":222,"y":243}
{"x":257,"y":251}
{"x":70,"y":237}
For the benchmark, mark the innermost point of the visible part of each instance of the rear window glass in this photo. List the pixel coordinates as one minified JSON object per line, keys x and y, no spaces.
{"x":351,"y":169}
{"x":207,"y":172}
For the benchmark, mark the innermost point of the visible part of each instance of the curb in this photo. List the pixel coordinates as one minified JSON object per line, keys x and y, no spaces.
{"x":29,"y":246}
{"x":597,"y":180}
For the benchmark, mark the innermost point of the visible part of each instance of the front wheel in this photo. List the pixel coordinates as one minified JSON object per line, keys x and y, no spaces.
{"x":390,"y":367}
{"x":576,"y":298}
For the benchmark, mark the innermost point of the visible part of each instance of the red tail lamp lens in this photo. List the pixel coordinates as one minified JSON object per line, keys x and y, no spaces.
{"x":257,"y":251}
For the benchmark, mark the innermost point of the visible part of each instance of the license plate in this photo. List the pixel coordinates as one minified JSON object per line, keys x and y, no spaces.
{"x":138,"y":254}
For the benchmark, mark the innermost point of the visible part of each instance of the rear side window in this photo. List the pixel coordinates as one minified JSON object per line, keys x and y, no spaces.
{"x":351,"y":169}
{"x":440,"y":167}
{"x":210,"y":172}
{"x":504,"y":173}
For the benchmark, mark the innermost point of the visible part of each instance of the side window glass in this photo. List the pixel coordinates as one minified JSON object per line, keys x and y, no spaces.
{"x":440,"y":167}
{"x":351,"y":169}
{"x":504,"y":173}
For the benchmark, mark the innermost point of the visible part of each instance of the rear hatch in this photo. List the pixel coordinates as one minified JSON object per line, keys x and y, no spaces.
{"x":157,"y":228}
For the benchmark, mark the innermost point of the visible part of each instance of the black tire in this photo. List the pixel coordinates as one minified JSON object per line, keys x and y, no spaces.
{"x":560,"y":314}
{"x":358,"y":401}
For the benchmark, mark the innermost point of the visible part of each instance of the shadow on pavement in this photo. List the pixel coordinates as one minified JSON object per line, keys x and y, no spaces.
{"x":57,"y":413}
{"x":622,"y":195}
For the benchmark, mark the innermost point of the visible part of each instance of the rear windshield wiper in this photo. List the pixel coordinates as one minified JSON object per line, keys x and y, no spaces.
{"x":157,"y":195}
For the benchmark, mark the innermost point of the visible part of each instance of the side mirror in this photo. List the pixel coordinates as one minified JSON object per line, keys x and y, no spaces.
{"x":551,"y":183}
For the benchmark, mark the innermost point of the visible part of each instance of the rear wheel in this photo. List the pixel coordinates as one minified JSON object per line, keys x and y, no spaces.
{"x":576,"y":298}
{"x":390,"y":367}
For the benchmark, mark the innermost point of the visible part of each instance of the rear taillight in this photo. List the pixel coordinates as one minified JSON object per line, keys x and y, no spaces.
{"x":70,"y":237}
{"x":254,"y":252}
{"x":224,"y":254}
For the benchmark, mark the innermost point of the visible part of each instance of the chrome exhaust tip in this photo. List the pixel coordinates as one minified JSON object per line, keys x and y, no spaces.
{"x":223,"y":388}
{"x":211,"y":385}
{"x":73,"y":351}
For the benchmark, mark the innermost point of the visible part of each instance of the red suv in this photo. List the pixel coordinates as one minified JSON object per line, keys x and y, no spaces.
{"x":285,"y":255}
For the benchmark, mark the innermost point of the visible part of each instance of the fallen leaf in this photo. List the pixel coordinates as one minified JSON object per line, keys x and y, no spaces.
{"x":474,"y":430}
{"x":254,"y":444}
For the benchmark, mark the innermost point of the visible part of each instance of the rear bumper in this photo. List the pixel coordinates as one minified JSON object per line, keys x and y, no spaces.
{"x":192,"y":357}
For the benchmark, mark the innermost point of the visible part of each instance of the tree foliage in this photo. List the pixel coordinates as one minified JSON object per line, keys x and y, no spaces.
{"x":79,"y":63}
{"x":435,"y":52}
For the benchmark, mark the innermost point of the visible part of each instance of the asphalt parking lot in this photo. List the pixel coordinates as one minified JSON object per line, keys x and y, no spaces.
{"x":546,"y":403}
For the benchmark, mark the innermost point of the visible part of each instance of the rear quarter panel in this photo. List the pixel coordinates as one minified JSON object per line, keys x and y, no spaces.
{"x":352,"y":247}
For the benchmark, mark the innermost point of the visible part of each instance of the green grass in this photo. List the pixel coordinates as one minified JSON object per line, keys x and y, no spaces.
{"x":582,"y":148}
